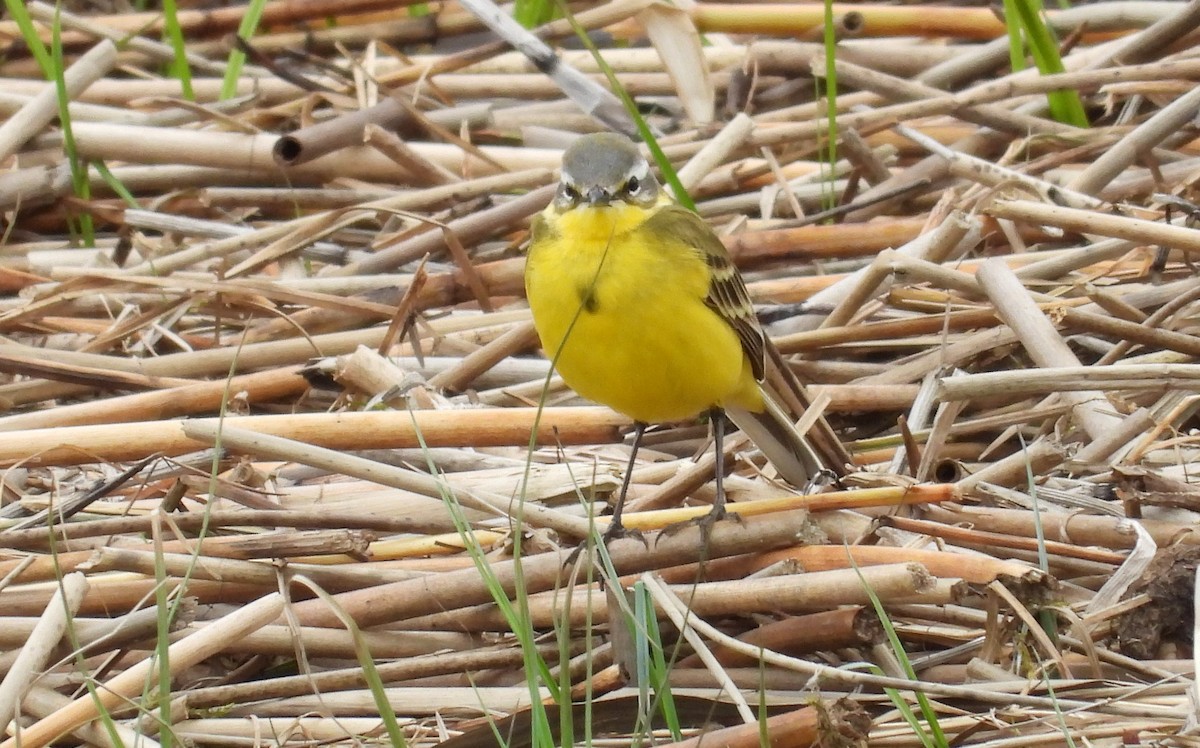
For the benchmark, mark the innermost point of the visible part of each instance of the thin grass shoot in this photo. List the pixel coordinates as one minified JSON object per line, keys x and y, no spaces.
{"x":515,"y":615}
{"x":79,"y":172}
{"x":830,"y":149}
{"x":237,"y":58}
{"x":930,"y":733}
{"x":1027,"y":28}
{"x":179,"y":66}
{"x":659,"y":668}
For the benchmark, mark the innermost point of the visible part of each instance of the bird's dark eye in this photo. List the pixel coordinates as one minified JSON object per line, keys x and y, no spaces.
{"x":570,"y":193}
{"x":631,"y":185}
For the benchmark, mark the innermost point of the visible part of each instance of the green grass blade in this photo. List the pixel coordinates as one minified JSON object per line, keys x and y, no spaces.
{"x":935,"y":738}
{"x":904,"y":708}
{"x":515,"y":615}
{"x":79,"y":176}
{"x":659,"y":670}
{"x":533,"y":13}
{"x":641,"y":660}
{"x":237,"y":58}
{"x":168,"y":607}
{"x":1046,"y":616}
{"x":1061,"y":718}
{"x":18,"y":12}
{"x":363,"y":654}
{"x":115,"y":184}
{"x":1065,"y":105}
{"x":162,"y":643}
{"x":562,"y":636}
{"x":830,"y":99}
{"x":1016,"y":40}
{"x":82,"y":666}
{"x":179,"y":67}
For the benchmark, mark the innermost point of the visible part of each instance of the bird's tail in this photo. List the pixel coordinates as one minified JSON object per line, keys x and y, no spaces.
{"x":798,"y":457}
{"x":776,"y":436}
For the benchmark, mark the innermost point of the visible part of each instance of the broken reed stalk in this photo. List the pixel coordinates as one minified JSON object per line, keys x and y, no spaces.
{"x":42,"y":640}
{"x":157,"y":50}
{"x":1106,"y":532}
{"x":1042,"y":342}
{"x":157,"y":145}
{"x":963,"y":23}
{"x":799,"y":727}
{"x":813,"y":632}
{"x":40,"y":702}
{"x":228,"y":19}
{"x":131,"y":682}
{"x":1045,"y":381}
{"x":1103,"y":224}
{"x":498,"y":504}
{"x":825,"y":672}
{"x":938,"y":563}
{"x":282,"y":641}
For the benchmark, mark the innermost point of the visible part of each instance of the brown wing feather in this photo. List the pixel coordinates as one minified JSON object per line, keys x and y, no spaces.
{"x":727,"y":294}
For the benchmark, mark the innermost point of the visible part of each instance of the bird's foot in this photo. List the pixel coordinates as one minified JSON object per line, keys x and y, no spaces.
{"x":615,"y":531}
{"x":706,"y":523}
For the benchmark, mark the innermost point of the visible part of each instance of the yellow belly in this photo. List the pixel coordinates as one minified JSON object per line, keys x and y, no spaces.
{"x":626,"y":322}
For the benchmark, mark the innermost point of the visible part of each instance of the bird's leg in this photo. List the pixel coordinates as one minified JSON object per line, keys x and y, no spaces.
{"x":717,"y":513}
{"x":718,"y":420}
{"x":615,"y":528}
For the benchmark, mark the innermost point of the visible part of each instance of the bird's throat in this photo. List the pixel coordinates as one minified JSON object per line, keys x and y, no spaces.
{"x":600,"y":224}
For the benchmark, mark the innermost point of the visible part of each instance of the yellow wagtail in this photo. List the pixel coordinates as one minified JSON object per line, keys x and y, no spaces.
{"x":639,"y":305}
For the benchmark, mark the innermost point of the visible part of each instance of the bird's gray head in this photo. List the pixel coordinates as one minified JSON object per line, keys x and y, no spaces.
{"x":603,"y":168}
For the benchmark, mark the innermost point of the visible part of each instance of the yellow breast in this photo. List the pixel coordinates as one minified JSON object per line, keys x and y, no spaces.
{"x":624,"y":318}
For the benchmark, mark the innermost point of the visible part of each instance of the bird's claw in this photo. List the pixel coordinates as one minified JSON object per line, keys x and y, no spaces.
{"x":615,"y":531}
{"x":706,"y":523}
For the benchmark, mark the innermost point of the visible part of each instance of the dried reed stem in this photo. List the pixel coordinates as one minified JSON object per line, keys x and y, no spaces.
{"x":41,"y":642}
{"x":130,"y":683}
{"x":1042,"y":342}
{"x":510,"y":426}
{"x":43,"y":107}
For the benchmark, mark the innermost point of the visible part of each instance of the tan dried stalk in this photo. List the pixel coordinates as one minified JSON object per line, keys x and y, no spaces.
{"x":457,"y":589}
{"x":1017,"y":383}
{"x":1103,"y":224}
{"x":131,"y":682}
{"x":43,"y":107}
{"x":74,"y":444}
{"x":1042,"y":342}
{"x":234,"y":268}
{"x":38,"y":647}
{"x":792,"y":594}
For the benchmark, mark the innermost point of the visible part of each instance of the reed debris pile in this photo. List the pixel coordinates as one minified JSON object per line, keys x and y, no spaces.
{"x":282,"y":459}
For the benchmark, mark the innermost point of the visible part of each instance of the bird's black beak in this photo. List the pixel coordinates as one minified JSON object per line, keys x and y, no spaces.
{"x":597,"y":196}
